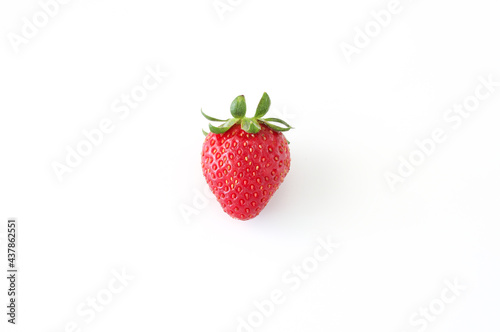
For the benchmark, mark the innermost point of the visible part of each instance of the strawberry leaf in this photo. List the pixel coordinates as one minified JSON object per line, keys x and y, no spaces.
{"x":245,"y":124}
{"x":209,"y":118}
{"x":278,"y":120}
{"x":218,"y":130}
{"x":231,"y":122}
{"x":250,"y":125}
{"x":274,"y":127}
{"x":224,"y":127}
{"x":254,"y":127}
{"x":263,"y":107}
{"x":239,"y":107}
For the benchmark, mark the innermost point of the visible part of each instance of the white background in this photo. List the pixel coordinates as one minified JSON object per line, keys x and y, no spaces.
{"x":120,"y":208}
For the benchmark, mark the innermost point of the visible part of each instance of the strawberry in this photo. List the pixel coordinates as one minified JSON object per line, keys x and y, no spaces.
{"x":245,"y":160}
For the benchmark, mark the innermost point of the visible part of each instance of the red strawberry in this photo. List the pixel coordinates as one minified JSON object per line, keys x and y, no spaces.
{"x":245,"y":160}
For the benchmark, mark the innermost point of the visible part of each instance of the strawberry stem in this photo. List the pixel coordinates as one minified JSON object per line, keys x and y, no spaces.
{"x":250,"y":125}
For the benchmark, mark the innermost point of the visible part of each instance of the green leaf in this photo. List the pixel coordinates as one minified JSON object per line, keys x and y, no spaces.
{"x":245,"y":124}
{"x":204,"y":132}
{"x":209,"y":118}
{"x":231,"y":122}
{"x":263,"y":107}
{"x":224,"y":127}
{"x":218,"y":130}
{"x":239,"y":107}
{"x":254,"y":127}
{"x":274,"y":127}
{"x":250,"y":125}
{"x":278,"y":120}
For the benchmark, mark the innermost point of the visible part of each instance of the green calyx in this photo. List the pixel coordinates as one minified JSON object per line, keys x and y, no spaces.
{"x":250,"y":125}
